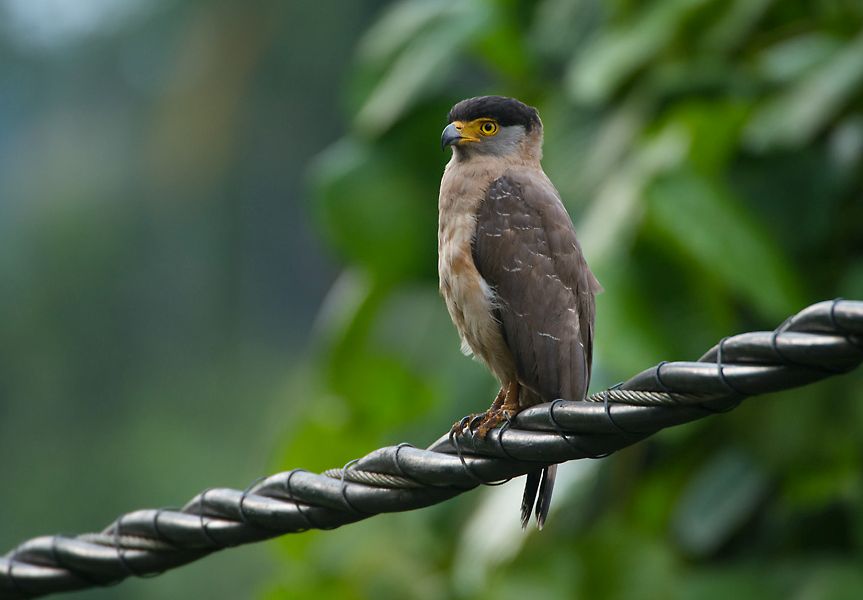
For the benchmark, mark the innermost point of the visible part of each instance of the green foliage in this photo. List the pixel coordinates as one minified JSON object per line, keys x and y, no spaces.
{"x":158,"y":278}
{"x":368,"y":209}
{"x":712,"y":155}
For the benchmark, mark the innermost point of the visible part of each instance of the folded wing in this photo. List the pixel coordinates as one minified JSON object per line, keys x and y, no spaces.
{"x":526,"y":250}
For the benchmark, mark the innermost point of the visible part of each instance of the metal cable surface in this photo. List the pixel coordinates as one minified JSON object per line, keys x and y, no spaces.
{"x":820,"y":341}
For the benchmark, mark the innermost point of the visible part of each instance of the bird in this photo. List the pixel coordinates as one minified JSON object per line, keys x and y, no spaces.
{"x":511,"y":271}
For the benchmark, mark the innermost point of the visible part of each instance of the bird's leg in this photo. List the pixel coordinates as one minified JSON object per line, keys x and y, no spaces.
{"x":498,"y":413}
{"x":474,"y":419}
{"x":510,"y":404}
{"x":478,"y":419}
{"x":499,"y":400}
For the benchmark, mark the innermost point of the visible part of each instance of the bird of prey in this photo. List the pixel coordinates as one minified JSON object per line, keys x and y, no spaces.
{"x":511,"y":271}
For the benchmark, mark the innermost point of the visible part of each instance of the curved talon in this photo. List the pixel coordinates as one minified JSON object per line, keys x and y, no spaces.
{"x":459,"y":426}
{"x":456,"y":429}
{"x":475,"y":421}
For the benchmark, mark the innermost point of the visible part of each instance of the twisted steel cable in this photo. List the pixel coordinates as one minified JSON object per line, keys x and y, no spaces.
{"x":822,"y":340}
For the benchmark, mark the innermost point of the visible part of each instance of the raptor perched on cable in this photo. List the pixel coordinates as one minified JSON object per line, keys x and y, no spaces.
{"x":512,"y":273}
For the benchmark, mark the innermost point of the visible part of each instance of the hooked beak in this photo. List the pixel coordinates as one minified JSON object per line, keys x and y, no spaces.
{"x":451,"y":135}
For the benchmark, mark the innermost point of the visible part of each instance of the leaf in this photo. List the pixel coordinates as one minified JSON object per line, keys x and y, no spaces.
{"x":709,"y":226}
{"x":562,"y":27}
{"x":790,"y":59}
{"x":374,"y":212}
{"x":503,"y":46}
{"x":746,"y":582}
{"x":612,"y":220}
{"x":714,"y":128}
{"x":834,"y":580}
{"x":599,"y":71}
{"x":400,"y":24}
{"x":717,"y":501}
{"x":733,"y":27}
{"x":421,"y":66}
{"x":800,"y":112}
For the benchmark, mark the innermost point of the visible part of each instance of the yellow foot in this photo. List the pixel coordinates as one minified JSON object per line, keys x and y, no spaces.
{"x":480,"y":424}
{"x":504,"y":407}
{"x":490,"y":420}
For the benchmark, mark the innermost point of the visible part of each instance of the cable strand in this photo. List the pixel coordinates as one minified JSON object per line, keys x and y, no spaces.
{"x":398,"y":478}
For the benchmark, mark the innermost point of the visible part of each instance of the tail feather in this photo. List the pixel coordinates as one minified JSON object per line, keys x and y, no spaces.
{"x":546,"y":487}
{"x":530,"y":489}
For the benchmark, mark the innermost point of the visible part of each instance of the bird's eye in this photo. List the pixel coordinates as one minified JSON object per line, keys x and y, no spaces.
{"x":488,"y":128}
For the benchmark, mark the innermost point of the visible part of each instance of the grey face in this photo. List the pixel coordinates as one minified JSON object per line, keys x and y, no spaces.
{"x":507,"y":141}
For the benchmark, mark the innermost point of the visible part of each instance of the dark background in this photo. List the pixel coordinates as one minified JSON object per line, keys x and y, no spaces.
{"x":217,"y":260}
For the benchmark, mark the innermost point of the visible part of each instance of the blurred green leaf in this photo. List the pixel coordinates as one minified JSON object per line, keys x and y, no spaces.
{"x":790,"y":59}
{"x":746,"y":582}
{"x":425,"y":59}
{"x":397,"y":27}
{"x":503,"y":47}
{"x":722,"y":495}
{"x":709,"y":226}
{"x":562,"y":27}
{"x":735,"y":24}
{"x":713,"y":129}
{"x":822,"y":486}
{"x":615,"y":215}
{"x":833,"y":580}
{"x":616,"y":54}
{"x":798,"y":113}
{"x":373,"y":211}
{"x":852,"y":283}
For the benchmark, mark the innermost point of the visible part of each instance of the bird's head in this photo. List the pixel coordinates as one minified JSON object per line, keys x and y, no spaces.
{"x":493,"y":125}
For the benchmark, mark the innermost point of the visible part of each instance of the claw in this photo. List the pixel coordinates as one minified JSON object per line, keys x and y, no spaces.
{"x":503,"y":408}
{"x":491,"y":420}
{"x":459,"y":426}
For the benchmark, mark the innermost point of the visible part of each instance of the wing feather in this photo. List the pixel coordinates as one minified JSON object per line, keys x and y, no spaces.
{"x":526,"y":250}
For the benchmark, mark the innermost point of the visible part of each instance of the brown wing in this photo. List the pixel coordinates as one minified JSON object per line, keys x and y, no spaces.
{"x":525,"y":248}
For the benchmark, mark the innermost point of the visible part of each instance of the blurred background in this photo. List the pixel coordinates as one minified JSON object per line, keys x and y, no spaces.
{"x":218,"y":260}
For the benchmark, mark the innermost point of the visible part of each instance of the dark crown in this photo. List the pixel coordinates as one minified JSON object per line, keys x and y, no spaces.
{"x":506,"y":111}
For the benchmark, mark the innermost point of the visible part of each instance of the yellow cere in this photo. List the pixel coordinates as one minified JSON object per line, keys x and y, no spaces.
{"x":473,"y":131}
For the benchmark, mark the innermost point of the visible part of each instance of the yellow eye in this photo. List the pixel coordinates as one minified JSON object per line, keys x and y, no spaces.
{"x":488,"y":128}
